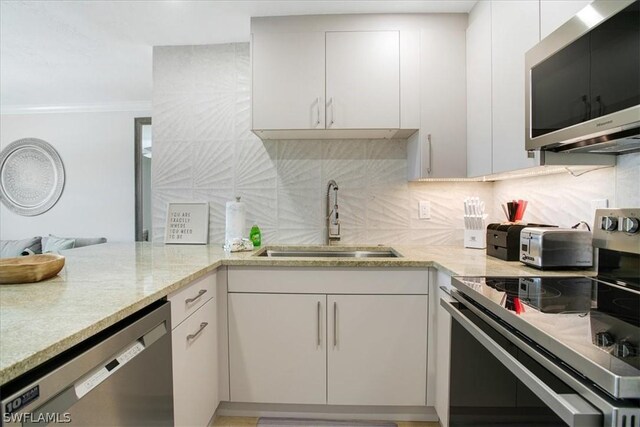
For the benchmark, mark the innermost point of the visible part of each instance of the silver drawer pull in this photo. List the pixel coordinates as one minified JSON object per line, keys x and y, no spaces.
{"x":198,"y":332}
{"x":196,"y":298}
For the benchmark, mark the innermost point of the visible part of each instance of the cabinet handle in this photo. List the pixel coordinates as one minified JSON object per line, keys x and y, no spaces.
{"x":319,"y":326}
{"x":196,"y":298}
{"x":600,"y":106}
{"x":335,"y":324}
{"x":332,"y":116}
{"x":318,"y":110}
{"x":587,"y":107}
{"x":198,"y":332}
{"x":430,"y":154}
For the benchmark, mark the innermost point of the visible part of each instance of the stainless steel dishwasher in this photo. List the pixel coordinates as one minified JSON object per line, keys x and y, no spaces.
{"x":121,"y":377}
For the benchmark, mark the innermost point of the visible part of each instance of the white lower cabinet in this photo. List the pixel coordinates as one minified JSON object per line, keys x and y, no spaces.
{"x":277,"y":348}
{"x":377,"y":349}
{"x":194,"y":352}
{"x":337,"y":336}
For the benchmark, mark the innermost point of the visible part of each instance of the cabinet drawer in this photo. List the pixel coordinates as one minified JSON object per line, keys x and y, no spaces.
{"x":195,"y":379}
{"x":188,"y":299}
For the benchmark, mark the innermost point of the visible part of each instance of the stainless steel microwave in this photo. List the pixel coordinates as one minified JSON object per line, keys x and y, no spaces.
{"x":583,"y":82}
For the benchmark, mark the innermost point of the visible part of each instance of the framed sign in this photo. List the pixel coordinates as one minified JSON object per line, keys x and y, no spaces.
{"x":187,"y":223}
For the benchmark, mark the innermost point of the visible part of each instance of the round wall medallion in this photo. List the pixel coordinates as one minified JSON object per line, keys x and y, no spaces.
{"x":31,"y":176}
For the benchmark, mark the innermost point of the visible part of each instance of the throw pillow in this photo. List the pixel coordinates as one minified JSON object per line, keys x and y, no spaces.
{"x":55,"y":244}
{"x":15,"y":248}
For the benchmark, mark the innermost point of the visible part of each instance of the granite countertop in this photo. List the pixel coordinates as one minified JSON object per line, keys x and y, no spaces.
{"x":103,"y":284}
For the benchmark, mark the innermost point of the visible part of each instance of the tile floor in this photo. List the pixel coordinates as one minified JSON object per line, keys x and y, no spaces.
{"x":251,"y":422}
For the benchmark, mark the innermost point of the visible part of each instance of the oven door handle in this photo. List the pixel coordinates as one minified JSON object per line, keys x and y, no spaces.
{"x":571,"y":408}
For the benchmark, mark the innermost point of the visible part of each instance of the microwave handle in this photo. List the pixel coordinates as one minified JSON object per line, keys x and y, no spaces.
{"x":587,"y":108}
{"x":571,"y":408}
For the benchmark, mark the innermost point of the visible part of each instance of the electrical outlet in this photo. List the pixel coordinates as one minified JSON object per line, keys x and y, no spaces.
{"x":599,"y":204}
{"x":424,"y":211}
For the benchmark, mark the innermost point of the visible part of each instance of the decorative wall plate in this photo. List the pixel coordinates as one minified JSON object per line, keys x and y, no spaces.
{"x":31,"y":176}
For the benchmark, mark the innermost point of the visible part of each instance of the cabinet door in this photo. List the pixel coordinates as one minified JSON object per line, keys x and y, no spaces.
{"x":443,"y":118}
{"x":277,"y":350}
{"x":195,"y":377}
{"x":479,"y":139}
{"x":554,"y":13}
{"x":515,"y":30}
{"x":288,"y":80}
{"x":377,"y":352}
{"x":363,"y":79}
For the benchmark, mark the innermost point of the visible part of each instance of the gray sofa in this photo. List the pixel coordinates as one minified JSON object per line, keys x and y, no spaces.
{"x":38,"y":245}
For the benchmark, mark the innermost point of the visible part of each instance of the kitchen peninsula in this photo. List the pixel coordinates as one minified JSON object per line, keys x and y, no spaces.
{"x":103,"y":284}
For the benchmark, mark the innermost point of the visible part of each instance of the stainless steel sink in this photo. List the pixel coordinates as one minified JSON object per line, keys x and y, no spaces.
{"x":330,"y":253}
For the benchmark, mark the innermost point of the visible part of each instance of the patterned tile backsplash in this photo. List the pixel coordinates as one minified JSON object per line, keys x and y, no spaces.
{"x":204,"y":151}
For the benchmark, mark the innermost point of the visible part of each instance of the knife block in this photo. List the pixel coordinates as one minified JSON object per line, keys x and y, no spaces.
{"x":476,"y":239}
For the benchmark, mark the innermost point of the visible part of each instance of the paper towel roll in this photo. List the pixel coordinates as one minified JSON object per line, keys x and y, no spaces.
{"x":235,"y":221}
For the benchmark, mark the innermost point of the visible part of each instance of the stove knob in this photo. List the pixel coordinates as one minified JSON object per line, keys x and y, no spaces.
{"x":630,"y":225}
{"x":625,"y":349}
{"x":604,"y":339}
{"x":609,"y":223}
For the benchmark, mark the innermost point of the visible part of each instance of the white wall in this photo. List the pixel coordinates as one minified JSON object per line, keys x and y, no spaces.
{"x":97,"y":150}
{"x":565,"y":199}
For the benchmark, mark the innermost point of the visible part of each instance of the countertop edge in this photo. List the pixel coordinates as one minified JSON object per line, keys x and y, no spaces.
{"x":32,"y":361}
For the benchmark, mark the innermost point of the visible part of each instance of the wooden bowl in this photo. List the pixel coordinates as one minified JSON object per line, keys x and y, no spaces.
{"x":29,"y":269}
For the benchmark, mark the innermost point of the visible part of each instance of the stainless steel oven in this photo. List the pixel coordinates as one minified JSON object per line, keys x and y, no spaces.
{"x":553,"y":350}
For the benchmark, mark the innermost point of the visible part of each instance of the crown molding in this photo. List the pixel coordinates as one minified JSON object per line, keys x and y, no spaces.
{"x":76,"y":108}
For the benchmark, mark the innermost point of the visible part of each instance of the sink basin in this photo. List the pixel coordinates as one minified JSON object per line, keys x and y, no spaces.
{"x":327,"y":252}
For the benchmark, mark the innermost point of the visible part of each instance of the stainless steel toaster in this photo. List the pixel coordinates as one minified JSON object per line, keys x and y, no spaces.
{"x":556,"y":247}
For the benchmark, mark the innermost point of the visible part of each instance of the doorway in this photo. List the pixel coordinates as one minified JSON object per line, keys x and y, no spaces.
{"x":142,"y":154}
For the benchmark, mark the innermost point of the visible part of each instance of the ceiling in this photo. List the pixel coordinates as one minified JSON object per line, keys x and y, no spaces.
{"x":88,"y":53}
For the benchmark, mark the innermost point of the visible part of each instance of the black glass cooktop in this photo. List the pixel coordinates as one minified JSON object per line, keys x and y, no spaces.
{"x":575,"y":318}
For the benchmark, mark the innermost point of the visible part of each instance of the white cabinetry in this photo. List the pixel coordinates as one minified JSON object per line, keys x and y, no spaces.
{"x":288,"y":82}
{"x":310,"y":344}
{"x":514,"y":30}
{"x":363,"y":79}
{"x":377,"y":349}
{"x":339,"y":76}
{"x":437,"y":150}
{"x":277,"y":348}
{"x":479,"y":139}
{"x":194,"y":352}
{"x":498,"y":36}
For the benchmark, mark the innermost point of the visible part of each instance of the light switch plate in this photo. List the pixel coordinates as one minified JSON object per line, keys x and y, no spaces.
{"x":424,"y":211}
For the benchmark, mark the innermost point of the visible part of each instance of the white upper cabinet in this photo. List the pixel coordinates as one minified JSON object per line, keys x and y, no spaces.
{"x":498,"y":36}
{"x":554,"y":13}
{"x":514,"y":30}
{"x":479,"y":139}
{"x":438,"y":149}
{"x":288,"y":89}
{"x":363,"y":79}
{"x":334,"y":77}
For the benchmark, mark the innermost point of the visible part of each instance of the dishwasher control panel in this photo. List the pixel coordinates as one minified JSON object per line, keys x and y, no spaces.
{"x":96,"y":377}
